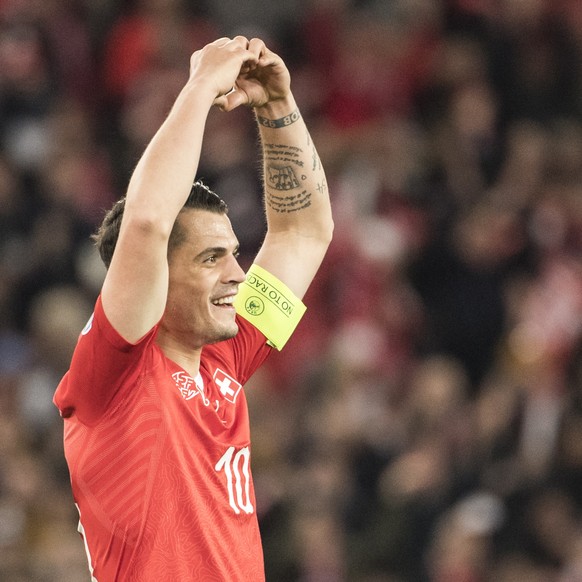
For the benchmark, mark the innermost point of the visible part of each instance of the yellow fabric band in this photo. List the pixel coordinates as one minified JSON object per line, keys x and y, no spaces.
{"x":269,"y":305}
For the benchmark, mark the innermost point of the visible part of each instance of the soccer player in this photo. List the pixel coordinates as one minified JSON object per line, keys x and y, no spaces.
{"x":156,"y":425}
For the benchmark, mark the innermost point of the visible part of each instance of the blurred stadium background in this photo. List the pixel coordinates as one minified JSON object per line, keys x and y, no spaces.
{"x":425,"y":423}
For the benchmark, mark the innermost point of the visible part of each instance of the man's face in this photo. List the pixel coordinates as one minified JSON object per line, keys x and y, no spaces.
{"x":204,"y":275}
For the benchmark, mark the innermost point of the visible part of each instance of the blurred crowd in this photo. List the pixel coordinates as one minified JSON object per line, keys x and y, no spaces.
{"x":425,"y":422}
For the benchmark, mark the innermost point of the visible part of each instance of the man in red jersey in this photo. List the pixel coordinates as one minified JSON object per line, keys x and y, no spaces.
{"x":156,"y":423}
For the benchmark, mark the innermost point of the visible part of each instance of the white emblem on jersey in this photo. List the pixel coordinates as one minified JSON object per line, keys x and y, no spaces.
{"x":228,"y":386}
{"x":190,"y":387}
{"x":88,"y":325}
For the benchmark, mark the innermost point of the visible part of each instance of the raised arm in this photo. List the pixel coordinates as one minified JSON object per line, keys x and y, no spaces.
{"x":297,"y":203}
{"x":296,"y":195}
{"x":135,"y":289}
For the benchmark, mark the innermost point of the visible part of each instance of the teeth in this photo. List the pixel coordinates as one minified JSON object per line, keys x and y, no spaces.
{"x":224,"y":301}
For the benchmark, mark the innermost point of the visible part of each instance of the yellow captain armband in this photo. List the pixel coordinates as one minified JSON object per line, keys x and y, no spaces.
{"x":269,"y":305}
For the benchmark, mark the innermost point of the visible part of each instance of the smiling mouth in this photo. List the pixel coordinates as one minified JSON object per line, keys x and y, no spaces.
{"x":223,"y":301}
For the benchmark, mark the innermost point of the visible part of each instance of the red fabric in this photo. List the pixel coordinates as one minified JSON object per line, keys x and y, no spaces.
{"x":160,"y":463}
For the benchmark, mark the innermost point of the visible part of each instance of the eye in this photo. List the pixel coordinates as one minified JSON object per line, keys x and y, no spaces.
{"x":211,"y":259}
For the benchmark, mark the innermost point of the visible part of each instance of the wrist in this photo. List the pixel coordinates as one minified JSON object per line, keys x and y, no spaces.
{"x":278,"y":114}
{"x":279,"y":122}
{"x":200,"y":91}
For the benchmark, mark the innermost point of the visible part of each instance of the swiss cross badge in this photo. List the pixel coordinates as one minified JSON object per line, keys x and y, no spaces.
{"x":228,"y":386}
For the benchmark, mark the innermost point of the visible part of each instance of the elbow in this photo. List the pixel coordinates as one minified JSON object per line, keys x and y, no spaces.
{"x":147,"y":226}
{"x":327,"y":231}
{"x":147,"y":220}
{"x":321,"y":239}
{"x":322,"y":234}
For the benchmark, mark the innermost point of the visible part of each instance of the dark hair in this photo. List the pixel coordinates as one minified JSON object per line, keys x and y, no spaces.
{"x":201,"y":197}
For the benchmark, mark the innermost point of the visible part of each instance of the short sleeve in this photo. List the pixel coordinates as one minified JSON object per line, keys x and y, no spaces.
{"x":102,"y":363}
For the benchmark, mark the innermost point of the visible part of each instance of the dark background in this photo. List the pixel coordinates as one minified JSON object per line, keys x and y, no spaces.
{"x":425,"y":422}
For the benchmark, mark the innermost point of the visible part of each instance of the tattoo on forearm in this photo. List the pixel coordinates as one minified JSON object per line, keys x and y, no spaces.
{"x":281,"y":122}
{"x":281,"y":153}
{"x":282,"y":177}
{"x":284,"y":167}
{"x":279,"y":162}
{"x":289,"y":203}
{"x":316,"y":161}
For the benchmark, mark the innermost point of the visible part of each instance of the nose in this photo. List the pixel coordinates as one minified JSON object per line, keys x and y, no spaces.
{"x":234,"y":272}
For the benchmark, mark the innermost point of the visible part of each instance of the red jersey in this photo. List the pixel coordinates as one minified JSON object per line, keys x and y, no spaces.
{"x":160,"y":461}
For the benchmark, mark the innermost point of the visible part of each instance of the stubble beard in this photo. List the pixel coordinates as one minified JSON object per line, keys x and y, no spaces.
{"x":223,"y":334}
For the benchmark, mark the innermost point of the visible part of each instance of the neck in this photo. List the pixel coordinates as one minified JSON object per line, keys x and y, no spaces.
{"x":187,"y":358}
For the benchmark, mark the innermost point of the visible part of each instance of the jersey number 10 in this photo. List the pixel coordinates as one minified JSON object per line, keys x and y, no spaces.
{"x":236,"y":470}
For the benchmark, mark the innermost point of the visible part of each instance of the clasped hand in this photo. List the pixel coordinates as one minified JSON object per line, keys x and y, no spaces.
{"x":242,"y":72}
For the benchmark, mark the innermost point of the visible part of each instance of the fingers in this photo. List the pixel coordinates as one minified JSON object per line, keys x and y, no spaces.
{"x":251,"y":74}
{"x":240,"y":41}
{"x":249,"y":56}
{"x":231,"y":100}
{"x":221,"y":41}
{"x":219,"y":63}
{"x":257,"y":47}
